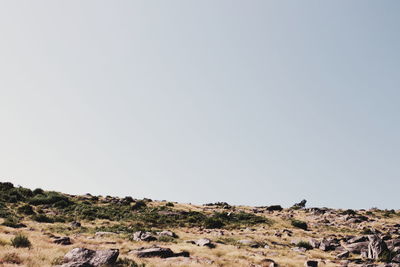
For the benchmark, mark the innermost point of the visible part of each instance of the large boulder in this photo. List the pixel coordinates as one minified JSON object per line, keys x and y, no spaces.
{"x":376,"y":247}
{"x":82,"y":257}
{"x":356,"y":248}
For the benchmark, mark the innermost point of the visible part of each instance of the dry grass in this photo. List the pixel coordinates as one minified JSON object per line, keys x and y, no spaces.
{"x":44,"y":253}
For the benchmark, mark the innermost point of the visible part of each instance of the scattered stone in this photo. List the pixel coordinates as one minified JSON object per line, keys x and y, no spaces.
{"x":82,"y":257}
{"x":143,"y":236}
{"x":300,"y":205}
{"x":204,"y":242}
{"x":376,"y":247}
{"x":268,"y":263}
{"x":274,"y":208}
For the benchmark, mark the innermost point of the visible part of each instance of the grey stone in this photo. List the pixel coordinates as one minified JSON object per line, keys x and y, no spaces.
{"x":143,"y":236}
{"x":82,"y":257}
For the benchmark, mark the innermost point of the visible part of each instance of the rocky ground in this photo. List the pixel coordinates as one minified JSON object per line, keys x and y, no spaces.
{"x":41,"y":228}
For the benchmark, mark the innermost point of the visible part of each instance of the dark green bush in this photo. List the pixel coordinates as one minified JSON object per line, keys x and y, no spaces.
{"x":304,"y":244}
{"x":140,"y":204}
{"x":38,"y":191}
{"x":20,"y":241}
{"x":12,"y":222}
{"x":213,"y":223}
{"x":26,"y":209}
{"x":299,"y":224}
{"x":5,"y":186}
{"x":42,"y":218}
{"x":49,"y":198}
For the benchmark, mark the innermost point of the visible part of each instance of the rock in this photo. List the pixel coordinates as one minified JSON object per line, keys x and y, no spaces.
{"x":167,"y":233}
{"x":357,"y":239}
{"x":299,"y":249}
{"x":376,"y":247}
{"x":82,"y":257}
{"x":204,"y":242}
{"x":76,"y":224}
{"x":268,"y":263}
{"x":157,"y":252}
{"x":274,"y":208}
{"x":310,"y":263}
{"x":105,"y":257}
{"x":326,"y":245}
{"x":143,"y":236}
{"x":314,"y":243}
{"x":356,"y":248}
{"x":300,"y":205}
{"x":396,"y":258}
{"x":62,"y":240}
{"x":343,"y":255}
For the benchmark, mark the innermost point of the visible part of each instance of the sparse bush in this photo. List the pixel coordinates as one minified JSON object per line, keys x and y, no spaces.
{"x":21,"y":241}
{"x":140,"y":204}
{"x":127,"y":200}
{"x":299,"y":224}
{"x":6,"y":186}
{"x":304,"y":244}
{"x":42,"y":218}
{"x":48,"y":199}
{"x":12,"y":222}
{"x":38,"y":191}
{"x":26,"y":209}
{"x":4,"y":211}
{"x":213,"y":223}
{"x":387,"y":256}
{"x":167,"y":239}
{"x":169,"y":204}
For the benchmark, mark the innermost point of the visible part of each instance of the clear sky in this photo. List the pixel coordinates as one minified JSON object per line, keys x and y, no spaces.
{"x":249,"y":102}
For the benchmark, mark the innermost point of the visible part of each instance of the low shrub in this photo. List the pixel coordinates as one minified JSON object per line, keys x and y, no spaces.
{"x":12,"y":222}
{"x":26,"y":209}
{"x":21,"y":241}
{"x":299,"y":224}
{"x":213,"y":223}
{"x":166,"y":239}
{"x":42,"y":218}
{"x":304,"y":244}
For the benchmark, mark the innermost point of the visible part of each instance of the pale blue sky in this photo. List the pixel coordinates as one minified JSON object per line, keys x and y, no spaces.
{"x":249,"y":102}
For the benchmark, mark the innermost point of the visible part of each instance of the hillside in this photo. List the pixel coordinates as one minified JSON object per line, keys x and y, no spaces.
{"x":44,"y":228}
